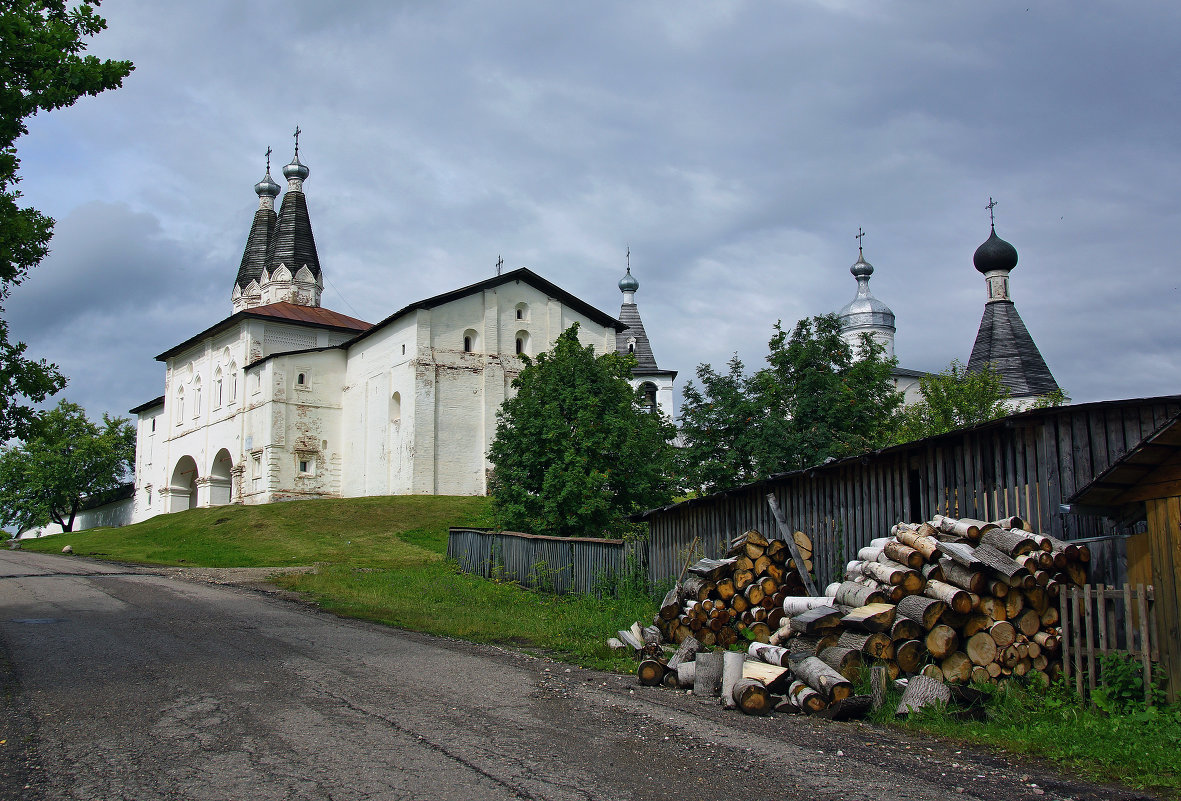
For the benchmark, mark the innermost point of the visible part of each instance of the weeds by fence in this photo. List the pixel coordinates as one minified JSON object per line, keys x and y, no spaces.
{"x":1106,"y":629}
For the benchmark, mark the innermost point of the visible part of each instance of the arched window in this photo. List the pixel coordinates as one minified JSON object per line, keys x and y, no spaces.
{"x":233,"y":370}
{"x":631,"y":344}
{"x":180,"y":405}
{"x":471,"y":341}
{"x":522,"y":311}
{"x":217,"y":387}
{"x":395,"y":407}
{"x":523,"y":342}
{"x":301,"y":380}
{"x":196,"y":398}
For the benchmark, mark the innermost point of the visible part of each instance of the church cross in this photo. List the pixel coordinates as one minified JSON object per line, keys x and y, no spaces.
{"x":268,"y":160}
{"x":499,"y":264}
{"x":297,"y":132}
{"x":629,"y":257}
{"x":991,"y":217}
{"x":859,"y":237}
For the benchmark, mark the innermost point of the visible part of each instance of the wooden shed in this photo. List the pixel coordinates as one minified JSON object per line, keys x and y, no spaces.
{"x":1145,"y":484}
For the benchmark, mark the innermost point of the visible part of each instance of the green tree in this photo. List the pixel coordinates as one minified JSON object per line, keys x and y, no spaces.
{"x":724,"y":443}
{"x":823,"y":401}
{"x":576,"y":449}
{"x":42,"y":68}
{"x":67,"y":459}
{"x":954,"y":398}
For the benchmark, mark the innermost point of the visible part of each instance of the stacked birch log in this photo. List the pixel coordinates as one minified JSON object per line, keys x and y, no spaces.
{"x":950,"y":600}
{"x":740,"y":597}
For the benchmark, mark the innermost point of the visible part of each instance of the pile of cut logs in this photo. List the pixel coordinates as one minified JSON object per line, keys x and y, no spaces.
{"x":953,"y":601}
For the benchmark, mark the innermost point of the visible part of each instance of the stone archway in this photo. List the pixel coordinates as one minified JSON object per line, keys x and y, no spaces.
{"x":221,"y":479}
{"x":182,"y":489}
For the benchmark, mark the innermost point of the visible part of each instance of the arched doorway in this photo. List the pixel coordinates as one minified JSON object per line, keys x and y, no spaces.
{"x":182,"y":489}
{"x":220,"y":478}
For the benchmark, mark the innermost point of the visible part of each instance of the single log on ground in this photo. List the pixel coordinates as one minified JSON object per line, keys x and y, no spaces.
{"x":855,"y":707}
{"x":956,"y":599}
{"x":941,"y":641}
{"x":650,"y":672}
{"x":981,"y":648}
{"x":823,"y":679}
{"x":923,"y":610}
{"x":906,"y":629}
{"x":963,"y":577}
{"x":732,"y":662}
{"x":871,"y":617}
{"x":877,"y":686}
{"x":957,"y":668}
{"x":686,"y":671}
{"x":708,"y":679}
{"x":879,"y":646}
{"x":775,"y":679}
{"x":922,"y":691}
{"x":751,"y":696}
{"x":846,"y":661}
{"x":805,"y":698}
{"x":909,"y":655}
{"x":817,"y":620}
{"x":685,"y":652}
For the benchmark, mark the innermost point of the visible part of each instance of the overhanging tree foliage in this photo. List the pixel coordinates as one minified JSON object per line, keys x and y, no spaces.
{"x":66,"y":459}
{"x":42,"y":67}
{"x":576,"y":450}
{"x":813,"y":401}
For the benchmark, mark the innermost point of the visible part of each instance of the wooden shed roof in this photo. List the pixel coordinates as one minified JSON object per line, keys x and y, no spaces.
{"x":1152,"y":469}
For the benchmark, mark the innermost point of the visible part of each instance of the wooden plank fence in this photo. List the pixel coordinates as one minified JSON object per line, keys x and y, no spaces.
{"x":1097,"y":620}
{"x":552,"y":564}
{"x":1025,"y":464}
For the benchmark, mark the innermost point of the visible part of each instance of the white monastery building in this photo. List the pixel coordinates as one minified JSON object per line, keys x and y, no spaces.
{"x":285,"y":399}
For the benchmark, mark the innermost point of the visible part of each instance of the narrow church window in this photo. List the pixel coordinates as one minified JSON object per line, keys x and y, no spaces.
{"x":153,"y":423}
{"x":467,"y":344}
{"x":217,"y":394}
{"x":395,"y":407}
{"x":520,"y":314}
{"x":631,"y":347}
{"x":471,"y":341}
{"x":403,"y":349}
{"x":520,"y":346}
{"x":197,"y":401}
{"x":301,"y":379}
{"x":180,"y":406}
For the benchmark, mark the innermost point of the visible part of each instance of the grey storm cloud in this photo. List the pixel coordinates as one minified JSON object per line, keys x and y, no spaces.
{"x":736,"y":147}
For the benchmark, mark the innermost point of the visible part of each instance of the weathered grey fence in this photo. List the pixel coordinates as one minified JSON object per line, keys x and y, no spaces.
{"x":1097,"y":620}
{"x":554,"y":564}
{"x":1025,"y":464}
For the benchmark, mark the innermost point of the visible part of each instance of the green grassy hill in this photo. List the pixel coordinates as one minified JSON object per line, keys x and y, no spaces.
{"x":361,"y":532}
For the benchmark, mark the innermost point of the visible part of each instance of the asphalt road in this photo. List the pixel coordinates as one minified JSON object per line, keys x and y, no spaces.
{"x":116,"y":683}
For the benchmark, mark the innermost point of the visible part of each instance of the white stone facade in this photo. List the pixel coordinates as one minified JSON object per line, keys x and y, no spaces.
{"x":260,"y":408}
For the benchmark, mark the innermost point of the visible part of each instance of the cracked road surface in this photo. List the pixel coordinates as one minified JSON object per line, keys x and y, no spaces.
{"x":125,"y":683}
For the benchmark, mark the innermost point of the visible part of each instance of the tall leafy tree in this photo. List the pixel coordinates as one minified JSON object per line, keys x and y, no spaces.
{"x":722,"y":429}
{"x":823,"y":400}
{"x":576,"y":449}
{"x":66,"y":459}
{"x":42,"y":67}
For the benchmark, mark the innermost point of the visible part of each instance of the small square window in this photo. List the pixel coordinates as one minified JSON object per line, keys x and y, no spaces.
{"x":307,"y":465}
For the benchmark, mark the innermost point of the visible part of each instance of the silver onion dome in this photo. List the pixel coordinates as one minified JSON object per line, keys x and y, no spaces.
{"x":296,"y":169}
{"x":628,"y":283}
{"x":267,"y":186}
{"x":865,"y":311}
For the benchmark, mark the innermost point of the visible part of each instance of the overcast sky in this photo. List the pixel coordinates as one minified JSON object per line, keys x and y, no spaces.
{"x":735,"y":146}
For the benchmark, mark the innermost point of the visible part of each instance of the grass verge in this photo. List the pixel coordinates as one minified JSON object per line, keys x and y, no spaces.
{"x":1139,"y":747}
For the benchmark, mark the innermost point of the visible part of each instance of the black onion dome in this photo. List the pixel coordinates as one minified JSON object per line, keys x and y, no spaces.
{"x":995,"y":254}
